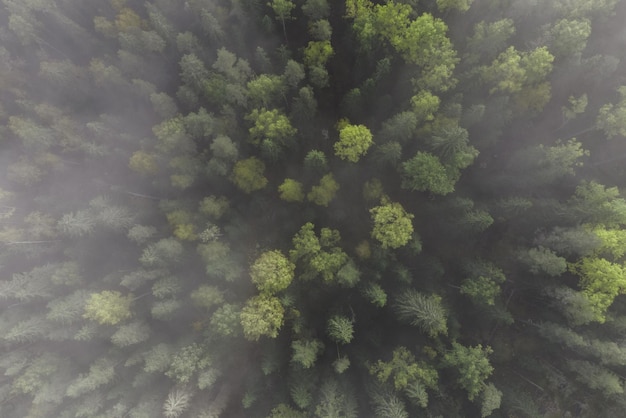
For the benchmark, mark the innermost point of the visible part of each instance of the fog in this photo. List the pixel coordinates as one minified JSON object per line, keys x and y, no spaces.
{"x":306,"y":208}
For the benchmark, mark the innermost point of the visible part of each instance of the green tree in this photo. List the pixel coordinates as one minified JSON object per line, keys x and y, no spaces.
{"x":325,"y":192}
{"x":472,"y":364}
{"x":248,"y":174}
{"x":460,"y":5}
{"x":339,"y":329}
{"x":282,"y":9}
{"x":272,"y":272}
{"x":425,"y":172}
{"x":569,"y":37}
{"x":306,"y":352}
{"x":612,"y":118}
{"x":265,"y":89}
{"x":291,"y":191}
{"x":425,"y":312}
{"x":392,"y":225}
{"x":108,"y":307}
{"x":404,"y":370}
{"x":354,"y":141}
{"x":271,"y":124}
{"x":490,"y":400}
{"x":262,"y":315}
{"x":601,"y":282}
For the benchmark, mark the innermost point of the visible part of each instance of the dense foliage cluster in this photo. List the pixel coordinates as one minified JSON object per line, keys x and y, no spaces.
{"x":312,"y":208}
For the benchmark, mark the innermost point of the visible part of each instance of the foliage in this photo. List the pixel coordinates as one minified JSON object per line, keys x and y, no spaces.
{"x":291,"y":191}
{"x":248,"y":174}
{"x":404,"y":370}
{"x":324,"y":193}
{"x":425,"y":172}
{"x":354,"y":141}
{"x":339,"y":329}
{"x":262,"y":315}
{"x":472,"y":364}
{"x":272,"y":272}
{"x":425,"y":312}
{"x":305,"y":352}
{"x":108,"y":307}
{"x":392,"y":225}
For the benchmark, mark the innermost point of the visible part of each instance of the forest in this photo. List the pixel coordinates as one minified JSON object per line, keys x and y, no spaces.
{"x":312,"y":208}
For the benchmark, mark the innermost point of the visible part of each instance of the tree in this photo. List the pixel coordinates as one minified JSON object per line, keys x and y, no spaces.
{"x":404,"y":370}
{"x":392,"y":225}
{"x":354,"y":141}
{"x":324,"y":192}
{"x":472,"y":364}
{"x":265,"y":89}
{"x":282,"y":9}
{"x":248,"y":174}
{"x":335,"y":401}
{"x":272,"y":272}
{"x":612,"y":118}
{"x":305,"y":352}
{"x":339,"y":329}
{"x":272,"y":125}
{"x":316,"y":9}
{"x":601,"y":282}
{"x":425,"y":312}
{"x":291,"y":191}
{"x":305,"y":244}
{"x":425,"y":172}
{"x":262,"y":315}
{"x":108,"y":307}
{"x":186,"y":361}
{"x":490,"y":400}
{"x":176,"y":403}
{"x":460,"y":5}
{"x":569,"y":37}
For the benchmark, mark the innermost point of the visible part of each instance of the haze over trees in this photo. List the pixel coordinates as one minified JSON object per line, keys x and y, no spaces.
{"x":306,"y":208}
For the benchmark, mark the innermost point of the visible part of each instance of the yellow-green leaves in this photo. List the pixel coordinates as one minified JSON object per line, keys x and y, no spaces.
{"x":601,"y":282}
{"x":291,"y":191}
{"x":108,"y":307}
{"x":392,"y":225}
{"x":354,"y":141}
{"x":262,"y":316}
{"x":272,"y":272}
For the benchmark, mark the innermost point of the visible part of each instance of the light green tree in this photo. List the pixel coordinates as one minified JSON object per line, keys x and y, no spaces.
{"x":306,"y":352}
{"x":272,"y":125}
{"x":612,"y":118}
{"x":404,"y":370}
{"x":340,"y":329}
{"x":108,"y":307}
{"x":262,"y":315}
{"x":291,"y":191}
{"x":472,"y":364}
{"x":392,"y":225}
{"x":354,"y":141}
{"x":272,"y":272}
{"x":601,"y":282}
{"x":425,"y":312}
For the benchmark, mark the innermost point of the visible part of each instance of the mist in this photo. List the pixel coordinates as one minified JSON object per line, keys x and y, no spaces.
{"x":306,"y":208}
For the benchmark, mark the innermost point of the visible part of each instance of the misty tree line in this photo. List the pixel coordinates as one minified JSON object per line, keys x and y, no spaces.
{"x":306,"y":208}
